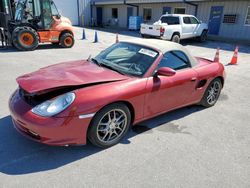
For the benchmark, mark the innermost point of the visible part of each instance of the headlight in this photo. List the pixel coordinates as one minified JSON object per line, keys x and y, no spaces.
{"x":53,"y":107}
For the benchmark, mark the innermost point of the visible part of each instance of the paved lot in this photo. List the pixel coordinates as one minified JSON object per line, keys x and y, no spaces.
{"x":190,"y":147}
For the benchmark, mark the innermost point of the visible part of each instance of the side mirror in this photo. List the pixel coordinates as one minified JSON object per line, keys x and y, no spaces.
{"x":200,"y":22}
{"x":58,"y":16}
{"x":165,"y":71}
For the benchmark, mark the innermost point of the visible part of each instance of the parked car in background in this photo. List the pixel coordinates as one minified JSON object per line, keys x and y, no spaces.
{"x":175,"y":27}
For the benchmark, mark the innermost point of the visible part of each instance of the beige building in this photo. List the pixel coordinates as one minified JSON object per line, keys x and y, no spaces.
{"x":227,"y":19}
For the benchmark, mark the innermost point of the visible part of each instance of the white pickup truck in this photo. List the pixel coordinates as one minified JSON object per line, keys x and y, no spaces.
{"x":175,"y":27}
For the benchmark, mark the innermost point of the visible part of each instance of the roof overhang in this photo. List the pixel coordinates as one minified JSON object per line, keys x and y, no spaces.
{"x":110,"y":2}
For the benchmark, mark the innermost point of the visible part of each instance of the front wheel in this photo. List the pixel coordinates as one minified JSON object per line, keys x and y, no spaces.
{"x":109,"y":125}
{"x":212,"y":93}
{"x":67,"y":40}
{"x":203,"y":36}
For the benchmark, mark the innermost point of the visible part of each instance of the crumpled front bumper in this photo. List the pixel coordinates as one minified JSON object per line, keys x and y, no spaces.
{"x":48,"y":130}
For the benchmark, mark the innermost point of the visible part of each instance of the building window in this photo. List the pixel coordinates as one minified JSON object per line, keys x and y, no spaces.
{"x":247,"y":22}
{"x":180,"y":10}
{"x":115,"y":13}
{"x":147,"y":14}
{"x":230,"y":18}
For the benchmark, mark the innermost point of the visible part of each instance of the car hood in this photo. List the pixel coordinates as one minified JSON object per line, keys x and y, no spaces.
{"x":77,"y":73}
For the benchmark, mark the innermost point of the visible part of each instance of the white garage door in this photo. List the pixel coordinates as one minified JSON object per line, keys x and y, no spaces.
{"x":68,"y":8}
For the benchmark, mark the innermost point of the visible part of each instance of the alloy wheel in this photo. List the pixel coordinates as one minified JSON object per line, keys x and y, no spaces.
{"x":112,"y":125}
{"x":213,"y":93}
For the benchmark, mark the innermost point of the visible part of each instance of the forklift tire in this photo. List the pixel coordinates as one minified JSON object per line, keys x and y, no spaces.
{"x":67,"y":40}
{"x":25,"y":38}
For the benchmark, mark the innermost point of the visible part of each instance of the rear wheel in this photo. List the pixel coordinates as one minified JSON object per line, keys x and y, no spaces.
{"x":109,"y":125}
{"x":212,"y":93}
{"x":175,"y":38}
{"x":67,"y":40}
{"x":25,"y":38}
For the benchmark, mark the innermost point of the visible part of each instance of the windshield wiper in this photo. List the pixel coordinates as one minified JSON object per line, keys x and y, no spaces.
{"x":112,"y":68}
{"x":96,"y":62}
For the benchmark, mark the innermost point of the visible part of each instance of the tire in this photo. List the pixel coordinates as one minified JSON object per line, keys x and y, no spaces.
{"x":209,"y":99}
{"x":145,"y":36}
{"x":25,"y":38}
{"x":67,"y":40}
{"x":175,"y":38}
{"x":105,"y":130}
{"x":203,"y":36}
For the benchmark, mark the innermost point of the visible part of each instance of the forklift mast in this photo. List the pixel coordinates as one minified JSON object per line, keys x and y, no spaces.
{"x":6,"y":14}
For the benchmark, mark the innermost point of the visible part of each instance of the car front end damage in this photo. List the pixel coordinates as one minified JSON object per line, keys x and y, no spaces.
{"x":54,"y":130}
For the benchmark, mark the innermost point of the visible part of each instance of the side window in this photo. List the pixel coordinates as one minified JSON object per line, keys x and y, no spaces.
{"x":47,"y":13}
{"x":175,"y":59}
{"x":115,"y":13}
{"x":170,"y":20}
{"x":186,"y":20}
{"x":194,"y":20}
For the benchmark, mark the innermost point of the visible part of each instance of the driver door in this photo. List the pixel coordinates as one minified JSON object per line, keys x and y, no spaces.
{"x":167,"y":93}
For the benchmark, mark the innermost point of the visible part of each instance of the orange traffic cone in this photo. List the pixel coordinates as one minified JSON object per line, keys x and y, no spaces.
{"x":217,"y":55}
{"x":117,"y":38}
{"x":235,"y":56}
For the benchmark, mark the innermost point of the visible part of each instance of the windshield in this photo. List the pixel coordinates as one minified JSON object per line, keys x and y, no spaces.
{"x":127,"y":58}
{"x":54,"y":9}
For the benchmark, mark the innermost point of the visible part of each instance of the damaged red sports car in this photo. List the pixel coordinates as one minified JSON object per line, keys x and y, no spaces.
{"x":100,"y":98}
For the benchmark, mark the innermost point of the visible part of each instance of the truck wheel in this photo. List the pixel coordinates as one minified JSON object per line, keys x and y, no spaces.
{"x":144,"y":36}
{"x":25,"y":38}
{"x":203,"y":36}
{"x":175,"y":38}
{"x":67,"y":40}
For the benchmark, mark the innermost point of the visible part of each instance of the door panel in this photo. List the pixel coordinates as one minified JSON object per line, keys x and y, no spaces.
{"x":187,"y":28}
{"x":129,"y":13}
{"x":47,"y":14}
{"x":167,"y":93}
{"x":99,"y":16}
{"x":215,"y":20}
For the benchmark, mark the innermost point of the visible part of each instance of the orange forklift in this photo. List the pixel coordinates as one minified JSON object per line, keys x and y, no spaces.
{"x":26,"y":23}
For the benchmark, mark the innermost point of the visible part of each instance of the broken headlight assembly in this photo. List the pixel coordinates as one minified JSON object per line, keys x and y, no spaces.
{"x":52,"y":107}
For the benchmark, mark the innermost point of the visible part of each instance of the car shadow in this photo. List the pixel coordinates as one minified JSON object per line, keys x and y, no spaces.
{"x":19,"y":155}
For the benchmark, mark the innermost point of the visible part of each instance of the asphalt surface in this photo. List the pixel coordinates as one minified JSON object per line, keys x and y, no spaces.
{"x":190,"y":147}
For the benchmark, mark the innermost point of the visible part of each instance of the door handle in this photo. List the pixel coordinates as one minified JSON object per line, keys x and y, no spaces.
{"x":193,"y":79}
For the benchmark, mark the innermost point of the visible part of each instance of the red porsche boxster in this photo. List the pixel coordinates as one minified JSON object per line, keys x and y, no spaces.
{"x":100,"y":98}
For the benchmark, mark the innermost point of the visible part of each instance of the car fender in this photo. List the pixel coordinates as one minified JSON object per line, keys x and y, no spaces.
{"x":208,"y":73}
{"x":90,"y":100}
{"x":201,"y":28}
